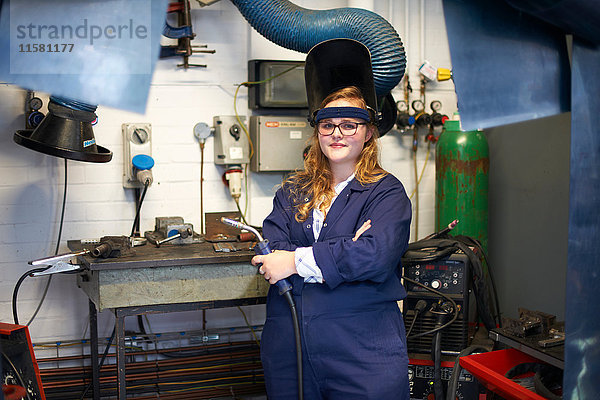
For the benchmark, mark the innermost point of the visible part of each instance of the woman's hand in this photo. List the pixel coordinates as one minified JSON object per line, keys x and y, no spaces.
{"x":275,"y":266}
{"x":362,"y":229}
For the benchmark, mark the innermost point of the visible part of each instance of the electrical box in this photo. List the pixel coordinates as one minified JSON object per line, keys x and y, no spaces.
{"x":137,"y":139}
{"x":282,"y":85}
{"x":231,"y":142}
{"x":279,"y":142}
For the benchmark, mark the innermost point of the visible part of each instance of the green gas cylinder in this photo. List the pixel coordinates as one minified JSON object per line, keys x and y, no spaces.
{"x":461,"y":182}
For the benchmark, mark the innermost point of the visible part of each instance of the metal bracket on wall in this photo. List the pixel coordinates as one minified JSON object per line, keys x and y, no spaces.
{"x":184,"y":35}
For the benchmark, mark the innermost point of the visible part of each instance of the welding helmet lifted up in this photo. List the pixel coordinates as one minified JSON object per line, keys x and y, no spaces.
{"x":335,"y":64}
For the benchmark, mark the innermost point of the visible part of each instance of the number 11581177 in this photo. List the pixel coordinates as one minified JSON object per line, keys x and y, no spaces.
{"x":46,"y":48}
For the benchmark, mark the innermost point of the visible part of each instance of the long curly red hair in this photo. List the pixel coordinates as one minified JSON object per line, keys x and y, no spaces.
{"x":312,"y":187}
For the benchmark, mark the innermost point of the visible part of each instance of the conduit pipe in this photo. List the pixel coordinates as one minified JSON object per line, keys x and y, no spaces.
{"x":299,"y":29}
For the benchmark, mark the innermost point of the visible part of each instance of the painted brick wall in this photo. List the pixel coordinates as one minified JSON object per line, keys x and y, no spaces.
{"x":31,"y":184}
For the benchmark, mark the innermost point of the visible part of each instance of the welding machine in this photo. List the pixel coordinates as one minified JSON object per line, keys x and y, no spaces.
{"x":421,"y":381}
{"x":19,"y":366}
{"x":449,"y":275}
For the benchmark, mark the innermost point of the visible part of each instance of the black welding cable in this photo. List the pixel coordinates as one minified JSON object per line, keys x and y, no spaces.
{"x":494,"y":290}
{"x":442,"y":312}
{"x":454,"y":307}
{"x":141,"y":326}
{"x":492,"y":280}
{"x":290,"y":300}
{"x":62,"y":213}
{"x":136,"y":194}
{"x":476,"y":243}
{"x":112,"y":337}
{"x":136,"y":229}
{"x":419,"y":308}
{"x":16,"y":290}
{"x":411,"y":259}
{"x":436,"y":353}
{"x":139,"y":207}
{"x":60,"y":228}
{"x":453,"y":382}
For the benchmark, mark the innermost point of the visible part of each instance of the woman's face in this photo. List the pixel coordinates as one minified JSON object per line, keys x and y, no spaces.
{"x":344,"y":150}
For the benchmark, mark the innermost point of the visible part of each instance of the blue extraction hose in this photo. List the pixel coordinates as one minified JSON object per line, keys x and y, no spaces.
{"x":73,"y":104}
{"x":299,"y":29}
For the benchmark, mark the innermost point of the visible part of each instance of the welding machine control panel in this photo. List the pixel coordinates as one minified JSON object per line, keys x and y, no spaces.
{"x":446,"y":276}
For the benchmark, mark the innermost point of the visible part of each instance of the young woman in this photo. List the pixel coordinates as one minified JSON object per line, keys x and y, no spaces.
{"x":338,"y":229}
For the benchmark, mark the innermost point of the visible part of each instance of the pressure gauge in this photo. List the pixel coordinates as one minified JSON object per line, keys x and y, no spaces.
{"x":418,"y":106}
{"x":139,"y":136}
{"x":402,"y":106}
{"x":202,"y":131}
{"x":35,"y":103}
{"x":436,"y":105}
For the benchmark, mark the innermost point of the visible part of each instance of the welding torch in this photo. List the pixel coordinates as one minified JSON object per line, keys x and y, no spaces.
{"x":285,"y":289}
{"x":262,"y":248}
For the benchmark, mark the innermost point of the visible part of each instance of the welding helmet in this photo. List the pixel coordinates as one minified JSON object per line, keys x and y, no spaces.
{"x":335,"y":64}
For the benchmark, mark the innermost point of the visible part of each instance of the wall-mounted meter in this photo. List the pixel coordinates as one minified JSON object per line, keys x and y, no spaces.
{"x":231,"y":142}
{"x":279,"y":142}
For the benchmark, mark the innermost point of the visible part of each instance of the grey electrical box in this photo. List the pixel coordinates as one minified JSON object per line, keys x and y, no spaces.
{"x":279,"y":142}
{"x":231,"y":142}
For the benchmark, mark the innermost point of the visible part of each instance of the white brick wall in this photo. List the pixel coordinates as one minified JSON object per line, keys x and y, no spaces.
{"x":31,"y":184}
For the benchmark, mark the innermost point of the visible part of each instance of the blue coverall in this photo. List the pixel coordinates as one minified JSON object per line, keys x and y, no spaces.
{"x":353,"y":337}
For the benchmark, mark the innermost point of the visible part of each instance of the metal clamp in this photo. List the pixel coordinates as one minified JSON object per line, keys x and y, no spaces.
{"x":57,"y":263}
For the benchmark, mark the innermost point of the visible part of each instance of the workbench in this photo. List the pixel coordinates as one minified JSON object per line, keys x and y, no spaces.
{"x":163,"y":279}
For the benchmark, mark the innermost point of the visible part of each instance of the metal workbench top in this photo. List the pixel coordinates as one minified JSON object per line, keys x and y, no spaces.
{"x":167,"y":255}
